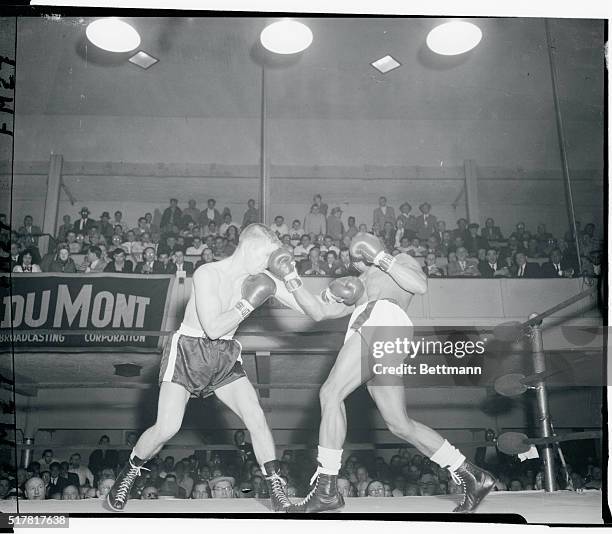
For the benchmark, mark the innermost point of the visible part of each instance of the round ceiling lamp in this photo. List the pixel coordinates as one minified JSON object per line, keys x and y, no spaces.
{"x":454,"y":38}
{"x":113,"y":35}
{"x":286,"y":37}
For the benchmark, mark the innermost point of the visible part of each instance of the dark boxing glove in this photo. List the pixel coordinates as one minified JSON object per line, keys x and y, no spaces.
{"x":256,"y":289}
{"x":369,"y":249}
{"x":282,"y":266}
{"x":347,"y":290}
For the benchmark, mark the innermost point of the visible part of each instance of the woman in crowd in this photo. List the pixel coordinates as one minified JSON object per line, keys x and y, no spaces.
{"x":25,"y":263}
{"x":62,"y":263}
{"x":119,"y":264}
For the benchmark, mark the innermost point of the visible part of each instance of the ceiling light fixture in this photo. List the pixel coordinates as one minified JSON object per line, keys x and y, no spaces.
{"x":113,"y":35}
{"x":385,"y":64}
{"x":286,"y":37}
{"x":454,"y":38}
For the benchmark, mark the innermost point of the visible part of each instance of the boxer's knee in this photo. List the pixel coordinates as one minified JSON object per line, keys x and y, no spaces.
{"x":166,"y":430}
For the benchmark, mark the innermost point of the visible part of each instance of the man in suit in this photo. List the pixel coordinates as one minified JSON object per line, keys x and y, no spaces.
{"x":557,"y":267}
{"x":28,"y":233}
{"x":463,"y":266}
{"x":149,"y":265}
{"x":404,"y":215}
{"x":383,"y":213}
{"x":426,"y":223}
{"x":84,"y":224}
{"x":165,"y":265}
{"x":523,"y":268}
{"x":182,"y":266}
{"x":461,"y":230}
{"x":313,"y":265}
{"x":490,"y":268}
{"x":474,"y":242}
{"x":491,"y":232}
{"x":57,"y":482}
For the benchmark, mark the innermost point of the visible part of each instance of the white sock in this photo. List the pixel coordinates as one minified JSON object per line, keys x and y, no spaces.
{"x":448,"y":456}
{"x":330,"y":460}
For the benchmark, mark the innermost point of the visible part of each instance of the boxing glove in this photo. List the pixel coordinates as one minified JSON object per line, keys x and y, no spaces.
{"x":282,"y":266}
{"x":347,"y":290}
{"x":256,"y":289}
{"x":369,"y":249}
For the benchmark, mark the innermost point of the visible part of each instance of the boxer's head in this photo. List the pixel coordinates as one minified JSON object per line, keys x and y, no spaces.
{"x":256,"y":244}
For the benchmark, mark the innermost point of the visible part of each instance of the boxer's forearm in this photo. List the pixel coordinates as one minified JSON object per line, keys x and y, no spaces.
{"x":408,"y":279}
{"x":318,"y":310}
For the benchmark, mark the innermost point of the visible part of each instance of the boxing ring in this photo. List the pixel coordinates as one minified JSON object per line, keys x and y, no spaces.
{"x":533,"y":506}
{"x":544,"y":506}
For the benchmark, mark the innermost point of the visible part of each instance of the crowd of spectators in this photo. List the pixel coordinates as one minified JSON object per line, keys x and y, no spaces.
{"x":187,"y":238}
{"x":236,"y":474}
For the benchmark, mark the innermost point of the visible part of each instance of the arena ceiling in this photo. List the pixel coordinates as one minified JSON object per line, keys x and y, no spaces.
{"x":211,"y":67}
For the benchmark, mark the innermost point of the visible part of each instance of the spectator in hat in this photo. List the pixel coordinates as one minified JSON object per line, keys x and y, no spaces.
{"x":84,"y":224}
{"x":335,"y":227}
{"x":426,"y":223}
{"x":383,"y":213}
{"x":404,"y":214}
{"x":119,"y":263}
{"x":105,"y":227}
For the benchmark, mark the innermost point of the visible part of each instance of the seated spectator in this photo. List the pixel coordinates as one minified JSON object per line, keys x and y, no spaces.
{"x":515,"y":485}
{"x":119,"y":264}
{"x":286,"y":242}
{"x":130,"y":242}
{"x":363,"y":480}
{"x":14,"y":254}
{"x":207,"y":257}
{"x":351,"y":229}
{"x":149,"y":265}
{"x":388,"y":235}
{"x":296,"y":232}
{"x":222,"y":487}
{"x":433,"y":245}
{"x":223,"y":248}
{"x":344,"y":266}
{"x":512,"y":247}
{"x":118,"y":230}
{"x":25,"y":265}
{"x":522,"y":235}
{"x":428,"y":485}
{"x":71,"y":493}
{"x":328,"y":245}
{"x":490,"y":232}
{"x":490,"y":268}
{"x":232,"y":235}
{"x":411,"y":490}
{"x":557,"y":267}
{"x":210,"y":214}
{"x":447,"y":244}
{"x":104,"y":487}
{"x":149,"y":493}
{"x":117,"y":218}
{"x":533,"y":249}
{"x":376,"y":230}
{"x":35,"y":489}
{"x":29,"y":233}
{"x":227,"y":224}
{"x":315,"y":221}
{"x":169,"y":488}
{"x":278,"y":226}
{"x":197,"y":247}
{"x":83,"y":244}
{"x":313,"y":265}
{"x":147,"y":241}
{"x":94,"y":261}
{"x":405,"y":245}
{"x":66,"y":227}
{"x":183,"y":268}
{"x":200,"y":491}
{"x":183,"y":480}
{"x":523,"y":268}
{"x":462,"y":266}
{"x":415,"y":248}
{"x":210,"y":229}
{"x":331,"y":260}
{"x":62,"y":262}
{"x":375,"y":489}
{"x":74,"y":246}
{"x":431,"y":269}
{"x":304,"y":247}
{"x":335,"y":227}
{"x":473,"y":241}
{"x":82,"y":471}
{"x":94,"y":237}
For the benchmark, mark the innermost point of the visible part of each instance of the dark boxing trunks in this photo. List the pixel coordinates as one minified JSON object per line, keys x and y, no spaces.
{"x":200,"y":364}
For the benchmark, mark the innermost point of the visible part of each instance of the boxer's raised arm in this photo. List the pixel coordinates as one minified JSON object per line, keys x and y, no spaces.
{"x":408,"y":274}
{"x":303,"y":301}
{"x":215,"y":323}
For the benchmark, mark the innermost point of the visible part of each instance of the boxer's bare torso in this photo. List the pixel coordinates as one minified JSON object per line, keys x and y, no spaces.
{"x":228,"y":291}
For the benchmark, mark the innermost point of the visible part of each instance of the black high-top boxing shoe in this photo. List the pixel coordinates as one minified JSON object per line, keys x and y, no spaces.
{"x":323,"y":497}
{"x":476,"y":483}
{"x":120,"y":492}
{"x":276,"y":486}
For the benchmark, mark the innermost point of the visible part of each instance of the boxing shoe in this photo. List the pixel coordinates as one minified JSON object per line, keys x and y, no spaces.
{"x":323,"y":497}
{"x":476,"y":484}
{"x":120,"y":492}
{"x":276,"y":486}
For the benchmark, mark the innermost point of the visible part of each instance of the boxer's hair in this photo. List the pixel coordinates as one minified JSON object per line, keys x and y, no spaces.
{"x":258,"y":231}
